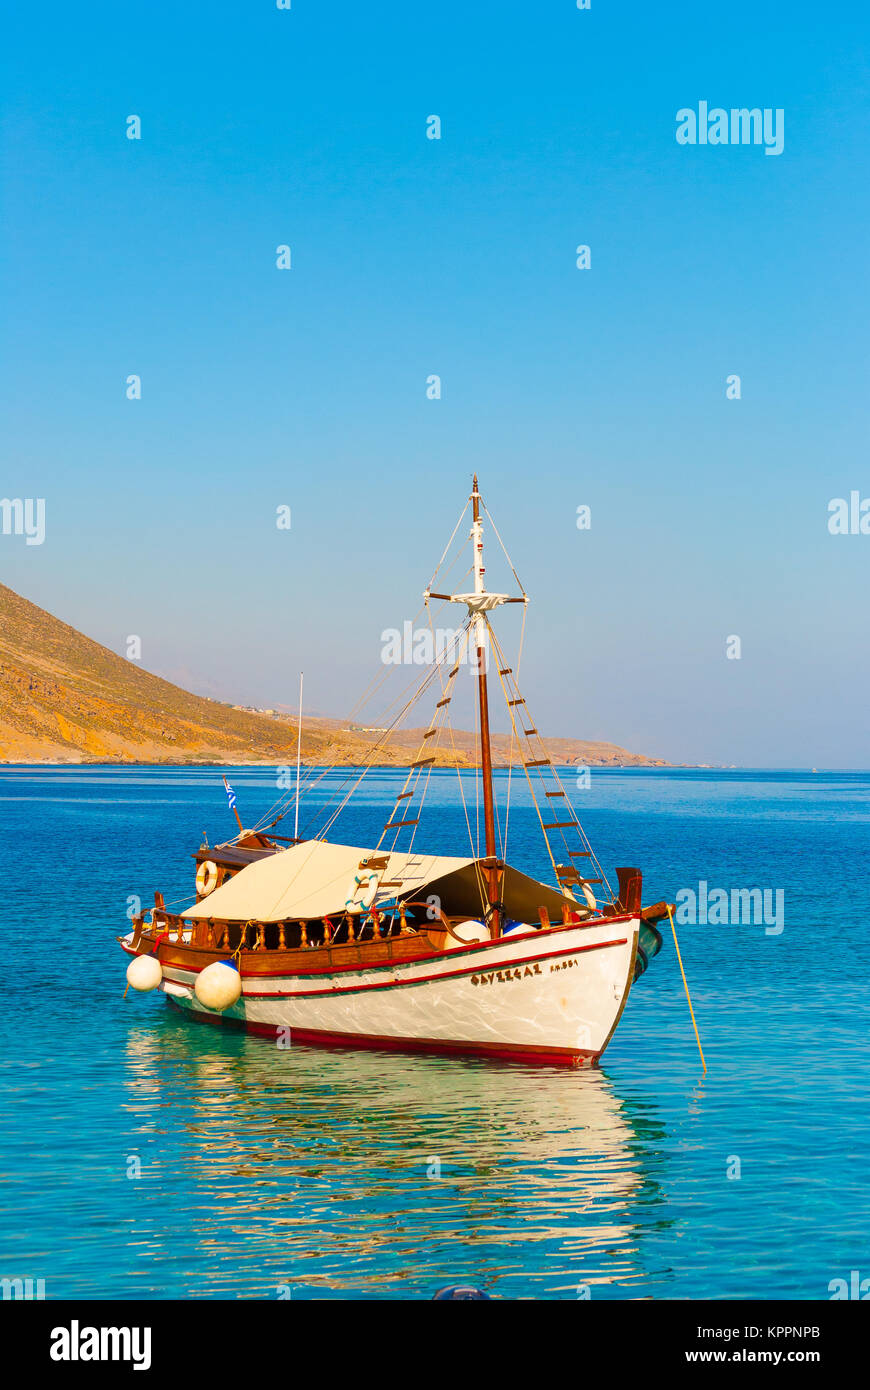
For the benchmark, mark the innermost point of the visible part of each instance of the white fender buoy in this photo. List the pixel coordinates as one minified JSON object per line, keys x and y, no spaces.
{"x":218,"y":986}
{"x":469,"y":934}
{"x":513,"y":925}
{"x":144,"y":973}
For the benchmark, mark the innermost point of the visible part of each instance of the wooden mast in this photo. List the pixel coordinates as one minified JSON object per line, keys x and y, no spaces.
{"x":492,"y":876}
{"x":298,"y":759}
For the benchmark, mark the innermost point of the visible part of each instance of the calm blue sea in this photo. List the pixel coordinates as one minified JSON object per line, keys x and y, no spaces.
{"x":142,"y":1156}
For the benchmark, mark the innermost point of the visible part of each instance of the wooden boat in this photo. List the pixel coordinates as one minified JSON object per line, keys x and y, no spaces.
{"x":315,"y":942}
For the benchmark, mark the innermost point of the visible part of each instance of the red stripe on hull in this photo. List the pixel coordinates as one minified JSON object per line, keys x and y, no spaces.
{"x":314,"y":1037}
{"x":508,"y":964}
{"x":411,"y":979}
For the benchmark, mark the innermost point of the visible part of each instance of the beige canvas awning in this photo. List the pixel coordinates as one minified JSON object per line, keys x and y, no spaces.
{"x":315,"y":879}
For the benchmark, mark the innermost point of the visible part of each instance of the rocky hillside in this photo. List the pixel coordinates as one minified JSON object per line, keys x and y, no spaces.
{"x":66,"y":698}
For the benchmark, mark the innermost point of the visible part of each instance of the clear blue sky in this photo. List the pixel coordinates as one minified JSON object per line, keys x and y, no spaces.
{"x":456,"y":257}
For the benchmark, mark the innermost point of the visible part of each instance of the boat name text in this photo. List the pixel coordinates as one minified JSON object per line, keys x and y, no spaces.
{"x":503,"y":977}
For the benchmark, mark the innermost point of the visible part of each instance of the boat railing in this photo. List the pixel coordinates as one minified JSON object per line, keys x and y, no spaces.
{"x":214,"y":934}
{"x":571,"y":917}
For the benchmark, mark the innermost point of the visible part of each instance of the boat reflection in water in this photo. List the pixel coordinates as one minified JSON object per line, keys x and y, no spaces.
{"x":309,"y":1173}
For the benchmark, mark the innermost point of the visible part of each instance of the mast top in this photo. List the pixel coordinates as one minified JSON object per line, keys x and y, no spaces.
{"x":481,"y":600}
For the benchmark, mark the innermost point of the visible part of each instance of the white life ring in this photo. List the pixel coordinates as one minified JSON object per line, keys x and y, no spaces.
{"x":361,"y":902}
{"x":206,"y":877}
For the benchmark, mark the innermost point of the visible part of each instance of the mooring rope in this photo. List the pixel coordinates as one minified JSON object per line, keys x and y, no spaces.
{"x":686,"y":987}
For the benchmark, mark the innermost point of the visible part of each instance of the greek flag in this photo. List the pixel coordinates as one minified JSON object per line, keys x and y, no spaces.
{"x":231,"y":796}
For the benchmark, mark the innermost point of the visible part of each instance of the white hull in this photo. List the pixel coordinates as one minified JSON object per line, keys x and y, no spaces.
{"x":551,"y":996}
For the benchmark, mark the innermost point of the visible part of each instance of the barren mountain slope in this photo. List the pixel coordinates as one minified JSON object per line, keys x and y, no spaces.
{"x":66,"y":698}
